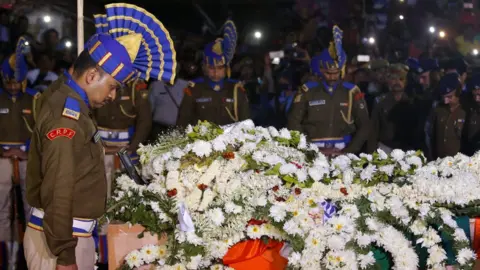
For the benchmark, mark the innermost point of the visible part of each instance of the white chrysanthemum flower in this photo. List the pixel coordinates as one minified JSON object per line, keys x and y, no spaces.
{"x":157,"y":165}
{"x":216,"y":267}
{"x":364,"y":240}
{"x":189,"y":129}
{"x":278,"y":212}
{"x":232,"y":208}
{"x":301,"y":175}
{"x":273,"y":132}
{"x":317,"y":173}
{"x":381,"y":154}
{"x":202,"y":148}
{"x":134,"y":259}
{"x":194,"y":262}
{"x":414,"y":160}
{"x":216,"y":216}
{"x":418,"y":227}
{"x":368,"y":173}
{"x":302,"y":144}
{"x":285,"y":134}
{"x":218,"y":144}
{"x":292,"y":227}
{"x":387,"y":169}
{"x":465,"y":255}
{"x":460,"y":235}
{"x":254,"y":231}
{"x":295,"y":259}
{"x":172,"y":165}
{"x":336,"y":242}
{"x":367,"y":156}
{"x":397,"y":154}
{"x":260,"y":201}
{"x":177,"y":153}
{"x":248,"y":148}
{"x":341,"y":162}
{"x":288,"y":169}
{"x":429,"y":238}
{"x":366,"y":260}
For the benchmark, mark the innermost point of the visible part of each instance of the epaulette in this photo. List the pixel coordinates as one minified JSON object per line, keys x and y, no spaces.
{"x":71,"y":109}
{"x":308,"y":85}
{"x":192,"y":83}
{"x":34,"y":93}
{"x":348,"y":85}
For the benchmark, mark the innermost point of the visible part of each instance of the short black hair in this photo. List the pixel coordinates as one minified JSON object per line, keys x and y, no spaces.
{"x":85,"y":62}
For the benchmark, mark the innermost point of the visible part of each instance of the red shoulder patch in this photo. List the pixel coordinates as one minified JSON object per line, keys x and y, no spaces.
{"x":359,"y":96}
{"x":60,"y":132}
{"x":141,"y":86}
{"x":187,"y":92}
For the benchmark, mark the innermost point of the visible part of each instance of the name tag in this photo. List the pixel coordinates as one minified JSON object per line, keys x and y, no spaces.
{"x":125,"y":98}
{"x":344,"y":104}
{"x":4,"y":110}
{"x":203,"y":100}
{"x":229,"y":100}
{"x":316,"y":102}
{"x":26,"y":111}
{"x":461,"y":120}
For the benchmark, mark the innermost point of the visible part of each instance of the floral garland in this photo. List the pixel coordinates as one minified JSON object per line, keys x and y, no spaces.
{"x":215,"y":187}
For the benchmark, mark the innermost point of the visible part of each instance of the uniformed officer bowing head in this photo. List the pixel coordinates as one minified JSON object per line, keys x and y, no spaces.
{"x":450,"y":87}
{"x":474,"y":87}
{"x":129,"y":43}
{"x":219,"y":54}
{"x":397,"y":77}
{"x":330,"y":64}
{"x":14,"y":68}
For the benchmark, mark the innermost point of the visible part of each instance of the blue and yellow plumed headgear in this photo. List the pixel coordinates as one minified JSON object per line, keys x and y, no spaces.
{"x":15,"y":67}
{"x":334,"y":58}
{"x":221,"y":51}
{"x":130,"y":42}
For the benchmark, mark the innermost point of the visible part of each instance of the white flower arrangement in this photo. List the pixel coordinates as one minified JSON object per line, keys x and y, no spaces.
{"x":215,"y":187}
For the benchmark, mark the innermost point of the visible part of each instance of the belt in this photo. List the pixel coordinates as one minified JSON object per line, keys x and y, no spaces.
{"x":9,"y":145}
{"x":337,"y":142}
{"x":82,"y":227}
{"x":114,"y":136}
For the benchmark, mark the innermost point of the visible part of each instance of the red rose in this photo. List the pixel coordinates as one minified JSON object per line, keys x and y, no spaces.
{"x":172,"y":192}
{"x":344,"y":191}
{"x":298,"y":191}
{"x":202,"y":187}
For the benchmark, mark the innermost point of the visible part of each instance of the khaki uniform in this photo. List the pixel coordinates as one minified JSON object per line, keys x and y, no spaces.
{"x":66,"y":182}
{"x":125,"y":121}
{"x":393,"y":123}
{"x":16,"y":123}
{"x":331,"y":116}
{"x":222,"y":107}
{"x":447,"y":131}
{"x":472,"y":130}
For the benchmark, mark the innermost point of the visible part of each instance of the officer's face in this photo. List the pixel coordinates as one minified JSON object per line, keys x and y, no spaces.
{"x":424,"y":79}
{"x":215,"y":73}
{"x":102,"y":88}
{"x":13,"y":87}
{"x":451,"y":99}
{"x":396,"y":83}
{"x":331,"y":76}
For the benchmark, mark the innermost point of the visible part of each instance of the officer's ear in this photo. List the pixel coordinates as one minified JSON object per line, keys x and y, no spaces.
{"x":93,"y":75}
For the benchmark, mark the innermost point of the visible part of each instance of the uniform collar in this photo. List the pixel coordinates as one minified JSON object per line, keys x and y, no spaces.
{"x":329,"y":89}
{"x":216,"y":86}
{"x":72,"y":84}
{"x":10,"y":96}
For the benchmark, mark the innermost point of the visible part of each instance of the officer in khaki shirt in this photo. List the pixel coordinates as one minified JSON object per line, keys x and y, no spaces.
{"x":214,"y":98}
{"x":393,"y":116}
{"x":332,"y":113}
{"x":448,"y":119}
{"x":471,"y":142}
{"x":17,"y":120}
{"x":125,"y":122}
{"x":66,"y":183}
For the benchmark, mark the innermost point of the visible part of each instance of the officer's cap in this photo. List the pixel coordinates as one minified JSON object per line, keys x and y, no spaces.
{"x":426,"y":65}
{"x":131,"y":42}
{"x":221,"y":51}
{"x":397,"y":71}
{"x":379,"y":64}
{"x":15,"y":68}
{"x":458,"y":64}
{"x":449,"y":83}
{"x":332,"y":58}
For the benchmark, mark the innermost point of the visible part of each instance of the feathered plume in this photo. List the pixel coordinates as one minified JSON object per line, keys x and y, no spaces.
{"x":335,"y":48}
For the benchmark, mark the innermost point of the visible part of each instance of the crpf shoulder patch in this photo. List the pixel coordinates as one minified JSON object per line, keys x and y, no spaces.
{"x":71,"y":109}
{"x":60,"y":132}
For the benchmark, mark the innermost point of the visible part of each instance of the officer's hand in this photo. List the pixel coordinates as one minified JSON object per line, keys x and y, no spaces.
{"x":67,"y":267}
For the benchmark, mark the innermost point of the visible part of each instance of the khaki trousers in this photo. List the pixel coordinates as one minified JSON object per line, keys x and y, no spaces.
{"x":39,"y":257}
{"x":6,"y":173}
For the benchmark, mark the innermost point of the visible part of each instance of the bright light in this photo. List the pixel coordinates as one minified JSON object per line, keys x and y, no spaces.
{"x":47,"y":18}
{"x":26,"y":43}
{"x":276,"y":61}
{"x":371,"y":40}
{"x":258,"y":34}
{"x":401,"y":1}
{"x":401,"y":17}
{"x":441,"y":34}
{"x":431,"y":29}
{"x":475,"y":52}
{"x":68,"y":44}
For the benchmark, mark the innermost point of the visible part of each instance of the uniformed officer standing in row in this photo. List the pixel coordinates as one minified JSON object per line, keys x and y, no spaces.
{"x":472,"y":122}
{"x":214,"y":98}
{"x":331,"y":112}
{"x":124,"y":122}
{"x":65,"y":175}
{"x":17,"y":120}
{"x":393,"y":116}
{"x":448,"y":119}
